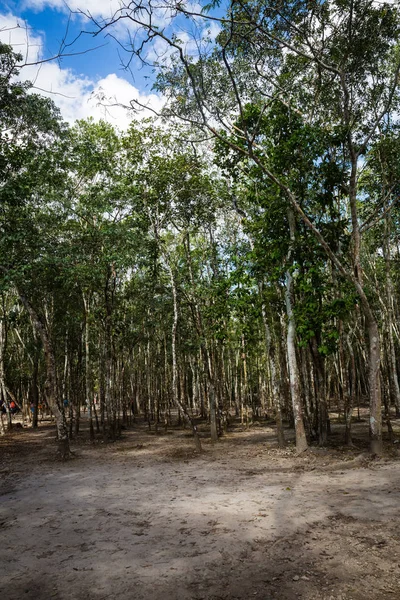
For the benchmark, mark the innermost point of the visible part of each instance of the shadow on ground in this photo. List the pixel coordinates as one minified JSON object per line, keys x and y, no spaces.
{"x":149,"y":519}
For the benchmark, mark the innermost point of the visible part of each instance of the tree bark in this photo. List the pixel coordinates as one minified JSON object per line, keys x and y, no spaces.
{"x":34,"y":383}
{"x":294,"y":379}
{"x":348,"y":398}
{"x":393,"y":378}
{"x":3,"y":390}
{"x":55,"y":402}
{"x":89,"y":396}
{"x":209,"y":386}
{"x":270,"y":350}
{"x":375,"y":388}
{"x":175,"y":394}
{"x":320,"y":396}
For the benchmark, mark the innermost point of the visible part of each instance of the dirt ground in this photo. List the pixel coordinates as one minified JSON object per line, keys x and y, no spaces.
{"x":146,"y":518}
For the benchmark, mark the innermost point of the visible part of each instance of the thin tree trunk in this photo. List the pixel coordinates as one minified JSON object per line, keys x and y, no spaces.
{"x":205,"y":353}
{"x":270,"y":351}
{"x":3,"y":391}
{"x":108,"y":352}
{"x":89,"y":396}
{"x":55,"y":403}
{"x":375,"y":400}
{"x":348,"y":398}
{"x":180,"y":406}
{"x":34,"y":384}
{"x":320,"y":395}
{"x":393,"y":378}
{"x":294,"y":379}
{"x":375,"y":388}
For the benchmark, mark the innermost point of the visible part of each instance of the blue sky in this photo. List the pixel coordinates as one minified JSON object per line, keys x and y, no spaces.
{"x":53,"y":23}
{"x":75,"y":82}
{"x":102,"y":56}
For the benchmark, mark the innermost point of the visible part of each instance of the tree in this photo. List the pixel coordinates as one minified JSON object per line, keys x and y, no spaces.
{"x":334,"y":62}
{"x":31,"y":169}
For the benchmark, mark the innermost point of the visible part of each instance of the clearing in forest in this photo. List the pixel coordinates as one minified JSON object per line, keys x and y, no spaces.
{"x":147,"y":518}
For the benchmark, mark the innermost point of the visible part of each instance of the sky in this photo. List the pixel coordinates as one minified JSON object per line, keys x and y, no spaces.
{"x":38,"y":28}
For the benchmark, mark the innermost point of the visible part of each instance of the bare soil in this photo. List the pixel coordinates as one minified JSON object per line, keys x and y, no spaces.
{"x":147,"y":518}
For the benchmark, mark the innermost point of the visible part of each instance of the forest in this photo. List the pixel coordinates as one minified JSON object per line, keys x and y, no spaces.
{"x":228,"y":267}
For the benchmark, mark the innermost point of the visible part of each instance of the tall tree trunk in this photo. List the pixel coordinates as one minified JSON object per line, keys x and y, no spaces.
{"x":294,"y":379}
{"x":375,"y":400}
{"x":348,"y":398}
{"x":108,"y":352}
{"x":320,"y":395}
{"x":175,"y":394}
{"x":3,"y":390}
{"x":374,"y":384}
{"x":375,"y":388}
{"x":35,"y":389}
{"x":211,"y":395}
{"x":393,"y":378}
{"x":205,"y":353}
{"x":56,"y":405}
{"x":88,"y":392}
{"x":270,"y":351}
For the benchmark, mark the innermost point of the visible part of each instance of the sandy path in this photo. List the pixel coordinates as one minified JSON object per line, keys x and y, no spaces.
{"x":136,"y":521}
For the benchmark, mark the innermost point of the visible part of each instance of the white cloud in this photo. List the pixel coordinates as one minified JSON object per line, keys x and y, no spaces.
{"x":96,"y":8}
{"x":112,"y":90}
{"x":16,"y":33}
{"x":77,"y":96}
{"x":105,"y":10}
